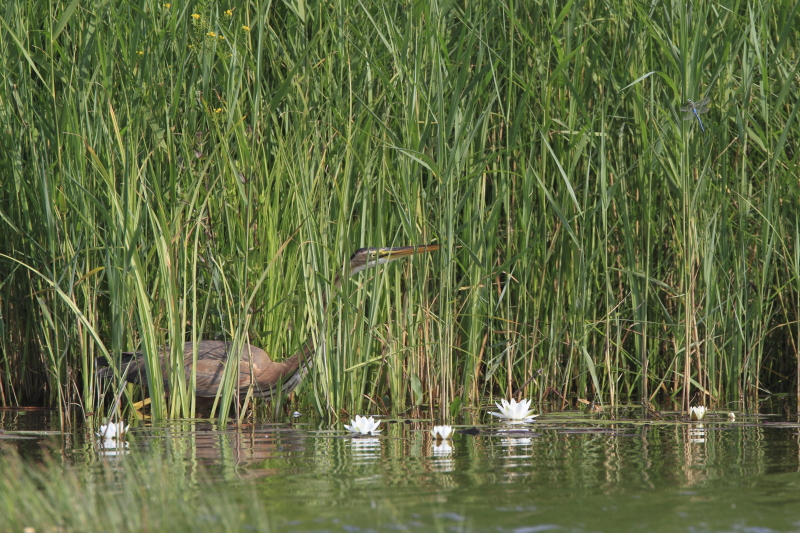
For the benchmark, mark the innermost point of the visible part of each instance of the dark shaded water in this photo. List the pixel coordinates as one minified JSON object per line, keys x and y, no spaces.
{"x":565,"y":472}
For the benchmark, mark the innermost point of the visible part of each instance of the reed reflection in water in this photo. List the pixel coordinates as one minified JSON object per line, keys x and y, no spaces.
{"x":560,"y":472}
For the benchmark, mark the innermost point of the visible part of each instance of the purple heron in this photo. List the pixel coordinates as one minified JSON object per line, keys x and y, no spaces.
{"x":256,"y":368}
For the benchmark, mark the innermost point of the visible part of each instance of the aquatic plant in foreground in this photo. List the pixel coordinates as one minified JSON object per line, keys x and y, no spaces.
{"x":48,"y":495}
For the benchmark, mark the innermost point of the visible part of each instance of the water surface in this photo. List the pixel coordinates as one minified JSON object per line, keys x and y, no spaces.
{"x":565,"y":472}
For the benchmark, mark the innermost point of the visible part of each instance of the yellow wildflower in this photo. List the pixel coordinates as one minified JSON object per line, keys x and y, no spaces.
{"x":211,"y":34}
{"x":168,"y":6}
{"x":218,"y":110}
{"x":246,"y":28}
{"x":195,"y":16}
{"x":229,"y":13}
{"x":222,"y":37}
{"x":140,"y":52}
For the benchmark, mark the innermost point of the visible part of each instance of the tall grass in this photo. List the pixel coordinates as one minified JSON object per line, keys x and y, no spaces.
{"x":123,"y":494}
{"x":157,"y":158}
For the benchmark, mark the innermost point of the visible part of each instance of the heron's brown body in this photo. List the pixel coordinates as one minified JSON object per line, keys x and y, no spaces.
{"x":255,"y":367}
{"x":257,"y":371}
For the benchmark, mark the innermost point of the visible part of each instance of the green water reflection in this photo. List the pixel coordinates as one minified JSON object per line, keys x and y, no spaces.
{"x":561,"y":473}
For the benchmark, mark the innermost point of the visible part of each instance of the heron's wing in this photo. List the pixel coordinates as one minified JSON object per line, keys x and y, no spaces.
{"x":211,"y":359}
{"x":255,"y":367}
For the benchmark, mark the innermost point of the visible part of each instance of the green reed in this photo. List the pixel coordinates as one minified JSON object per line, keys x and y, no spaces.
{"x":127,"y":494}
{"x":204,"y":171}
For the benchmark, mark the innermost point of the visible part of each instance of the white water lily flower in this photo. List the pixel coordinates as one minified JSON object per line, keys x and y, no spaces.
{"x":363,"y":425}
{"x":442,"y":432}
{"x":513,"y":411}
{"x":697,"y":413}
{"x":112,"y":431}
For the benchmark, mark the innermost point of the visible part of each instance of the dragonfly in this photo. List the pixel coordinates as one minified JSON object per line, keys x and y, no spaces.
{"x":695,"y":109}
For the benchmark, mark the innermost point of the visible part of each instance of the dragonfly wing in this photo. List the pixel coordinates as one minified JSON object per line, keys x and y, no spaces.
{"x":702,"y":103}
{"x":702,"y":109}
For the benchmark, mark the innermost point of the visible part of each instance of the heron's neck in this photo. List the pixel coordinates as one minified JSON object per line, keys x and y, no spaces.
{"x":338,"y":281}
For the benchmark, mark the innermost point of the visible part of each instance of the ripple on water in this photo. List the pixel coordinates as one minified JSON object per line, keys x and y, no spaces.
{"x":674,"y":476}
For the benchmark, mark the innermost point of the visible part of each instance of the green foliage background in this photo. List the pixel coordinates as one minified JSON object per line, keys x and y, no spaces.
{"x":157,"y":157}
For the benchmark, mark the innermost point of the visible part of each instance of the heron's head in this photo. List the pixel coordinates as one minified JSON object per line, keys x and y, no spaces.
{"x":364,"y":258}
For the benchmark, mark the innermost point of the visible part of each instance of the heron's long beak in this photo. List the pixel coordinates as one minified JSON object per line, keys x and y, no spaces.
{"x":396,"y":253}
